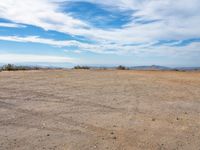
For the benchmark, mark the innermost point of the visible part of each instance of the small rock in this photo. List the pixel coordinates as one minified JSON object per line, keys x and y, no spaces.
{"x":114,"y":137}
{"x":48,"y":134}
{"x":112,"y":133}
{"x":153,"y":119}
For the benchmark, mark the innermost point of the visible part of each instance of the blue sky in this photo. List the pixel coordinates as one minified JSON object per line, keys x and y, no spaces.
{"x":108,"y":33}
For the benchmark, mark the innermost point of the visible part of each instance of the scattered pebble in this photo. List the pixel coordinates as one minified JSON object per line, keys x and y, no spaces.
{"x":153,"y":119}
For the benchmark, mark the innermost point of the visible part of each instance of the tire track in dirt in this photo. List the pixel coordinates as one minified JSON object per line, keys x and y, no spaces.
{"x":6,"y":105}
{"x":60,"y":99}
{"x":44,"y":116}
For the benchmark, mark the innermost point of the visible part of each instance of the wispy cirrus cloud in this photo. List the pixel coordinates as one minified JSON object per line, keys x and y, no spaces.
{"x":49,"y":15}
{"x":137,"y":29}
{"x":42,"y":13}
{"x":28,"y":58}
{"x":11,"y":25}
{"x":116,"y":48}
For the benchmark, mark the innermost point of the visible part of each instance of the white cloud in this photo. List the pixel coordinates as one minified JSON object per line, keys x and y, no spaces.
{"x":11,"y":25}
{"x":42,"y":13}
{"x":27,"y":58}
{"x":56,"y":43}
{"x":117,"y":48}
{"x":178,"y":20}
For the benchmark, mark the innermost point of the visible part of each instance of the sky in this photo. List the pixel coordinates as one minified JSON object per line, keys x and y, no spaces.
{"x":100,"y":33}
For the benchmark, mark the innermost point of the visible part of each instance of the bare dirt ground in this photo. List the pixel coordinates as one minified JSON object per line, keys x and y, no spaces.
{"x":99,"y":110}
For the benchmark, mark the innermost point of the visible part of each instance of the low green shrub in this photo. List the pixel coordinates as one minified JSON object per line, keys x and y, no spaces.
{"x":121,"y":68}
{"x":81,"y":67}
{"x":11,"y":67}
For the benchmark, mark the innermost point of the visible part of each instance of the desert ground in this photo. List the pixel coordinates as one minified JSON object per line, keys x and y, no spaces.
{"x":99,"y":110}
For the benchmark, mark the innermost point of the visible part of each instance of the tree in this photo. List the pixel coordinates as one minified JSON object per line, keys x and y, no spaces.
{"x":8,"y":67}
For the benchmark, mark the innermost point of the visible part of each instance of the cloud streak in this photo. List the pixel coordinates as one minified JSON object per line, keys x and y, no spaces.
{"x":27,"y":58}
{"x":151,"y":21}
{"x":11,"y":25}
{"x":117,"y":48}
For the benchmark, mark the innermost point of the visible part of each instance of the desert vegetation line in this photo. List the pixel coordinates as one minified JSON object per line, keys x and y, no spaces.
{"x":11,"y":67}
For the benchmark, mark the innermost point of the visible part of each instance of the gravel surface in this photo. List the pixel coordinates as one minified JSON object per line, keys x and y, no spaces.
{"x":99,"y":110}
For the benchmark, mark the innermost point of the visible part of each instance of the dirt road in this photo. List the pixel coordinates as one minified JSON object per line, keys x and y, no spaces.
{"x":99,"y":110}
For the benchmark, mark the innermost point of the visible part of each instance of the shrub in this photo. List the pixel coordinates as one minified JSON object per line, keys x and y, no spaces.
{"x":11,"y":67}
{"x":81,"y":67}
{"x":8,"y":67}
{"x":121,"y":68}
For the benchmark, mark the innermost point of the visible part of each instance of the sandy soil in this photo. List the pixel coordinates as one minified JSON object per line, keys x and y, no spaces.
{"x":99,"y":110}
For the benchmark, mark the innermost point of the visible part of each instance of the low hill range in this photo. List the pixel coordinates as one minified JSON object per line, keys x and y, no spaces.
{"x":152,"y":67}
{"x":155,"y":67}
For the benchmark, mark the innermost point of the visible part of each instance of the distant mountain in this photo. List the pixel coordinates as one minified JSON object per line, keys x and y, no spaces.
{"x":153,"y":67}
{"x":188,"y":68}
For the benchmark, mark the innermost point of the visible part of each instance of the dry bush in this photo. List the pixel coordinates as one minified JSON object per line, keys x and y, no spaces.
{"x":81,"y":67}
